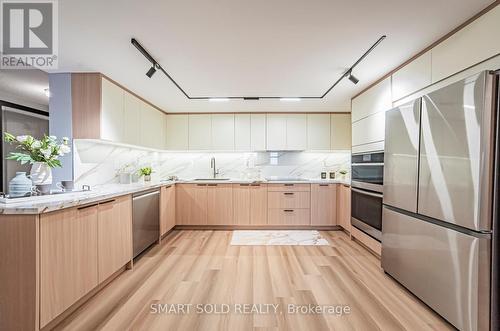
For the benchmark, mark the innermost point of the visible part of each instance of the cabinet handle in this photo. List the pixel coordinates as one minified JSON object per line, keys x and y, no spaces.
{"x":85,"y":207}
{"x":212,"y":184}
{"x":254,"y":184}
{"x":288,"y":184}
{"x":288,"y":193}
{"x":288,"y":210}
{"x":323,"y":184}
{"x":201,"y":184}
{"x":105,"y":202}
{"x":244,"y":185}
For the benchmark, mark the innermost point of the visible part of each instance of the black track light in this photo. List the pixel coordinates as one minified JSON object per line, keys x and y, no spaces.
{"x":353,"y":79}
{"x":151,"y":71}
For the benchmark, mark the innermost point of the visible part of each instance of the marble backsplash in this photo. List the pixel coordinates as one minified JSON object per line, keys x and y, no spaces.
{"x":97,"y":163}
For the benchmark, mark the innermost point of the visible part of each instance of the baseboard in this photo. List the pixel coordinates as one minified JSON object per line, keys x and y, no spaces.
{"x":368,"y":242}
{"x":257,"y":227}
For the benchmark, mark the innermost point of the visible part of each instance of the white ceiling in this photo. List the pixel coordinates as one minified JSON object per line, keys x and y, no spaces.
{"x":250,"y":47}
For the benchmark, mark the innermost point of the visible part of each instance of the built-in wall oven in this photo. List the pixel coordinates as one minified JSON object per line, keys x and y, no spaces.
{"x":367,"y":193}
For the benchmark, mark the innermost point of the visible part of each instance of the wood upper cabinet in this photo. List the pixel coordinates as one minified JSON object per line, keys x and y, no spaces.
{"x":258,"y":204}
{"x":223,"y":132}
{"x":340,"y":129}
{"x":318,"y":131}
{"x":344,"y":206}
{"x":177,"y":133}
{"x":191,"y":204}
{"x":220,"y":204}
{"x":68,"y":259}
{"x":167,"y":209}
{"x":323,"y":204}
{"x":114,"y":235}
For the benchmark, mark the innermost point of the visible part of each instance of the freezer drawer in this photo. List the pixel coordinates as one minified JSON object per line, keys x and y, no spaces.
{"x":402,"y":125}
{"x":456,"y":151}
{"x":448,"y":270}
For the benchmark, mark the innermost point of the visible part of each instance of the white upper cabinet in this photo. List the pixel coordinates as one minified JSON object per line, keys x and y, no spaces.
{"x":276,"y":132}
{"x":258,"y":132}
{"x":132,"y":117}
{"x":242,"y":132}
{"x":223,"y":132}
{"x":412,"y":77}
{"x":200,"y":132}
{"x":296,"y":132}
{"x":472,"y":44}
{"x":177,"y":134}
{"x":318,"y":131}
{"x":368,"y":117}
{"x":153,"y":126}
{"x":111,"y":111}
{"x":340,"y":126}
{"x":370,"y":131}
{"x":376,"y":99}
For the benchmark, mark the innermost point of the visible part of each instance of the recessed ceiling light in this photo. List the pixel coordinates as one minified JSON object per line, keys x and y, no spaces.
{"x":218,"y":99}
{"x":290,"y":99}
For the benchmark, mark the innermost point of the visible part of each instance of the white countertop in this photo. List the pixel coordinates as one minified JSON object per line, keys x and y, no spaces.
{"x":45,"y":204}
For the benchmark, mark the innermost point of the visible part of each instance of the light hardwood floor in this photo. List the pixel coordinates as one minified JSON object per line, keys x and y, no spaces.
{"x":202,"y":267}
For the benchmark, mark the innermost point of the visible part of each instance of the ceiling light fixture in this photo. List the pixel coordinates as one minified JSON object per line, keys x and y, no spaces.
{"x":352,"y":78}
{"x":151,"y":72}
{"x":157,"y":66}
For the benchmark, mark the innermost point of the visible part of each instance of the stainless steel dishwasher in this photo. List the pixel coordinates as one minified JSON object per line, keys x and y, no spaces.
{"x":145,"y":219}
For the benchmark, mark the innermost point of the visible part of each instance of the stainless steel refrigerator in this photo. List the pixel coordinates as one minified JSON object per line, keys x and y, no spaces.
{"x":440,"y":221}
{"x":19,"y":120}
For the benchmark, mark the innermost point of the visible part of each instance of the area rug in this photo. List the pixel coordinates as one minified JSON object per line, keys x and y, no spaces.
{"x":277,"y":237}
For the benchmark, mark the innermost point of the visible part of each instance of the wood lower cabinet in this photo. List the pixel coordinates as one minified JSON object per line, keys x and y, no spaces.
{"x":258,"y":204}
{"x":114,"y":235}
{"x":80,"y":248}
{"x":250,"y":204}
{"x":289,"y":217}
{"x":167,"y":209}
{"x":220,"y":204}
{"x":324,"y":204}
{"x":68,"y":259}
{"x":344,"y":206}
{"x":191,"y":204}
{"x":241,"y":204}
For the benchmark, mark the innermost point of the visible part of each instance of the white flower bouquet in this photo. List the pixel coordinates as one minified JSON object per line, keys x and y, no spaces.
{"x":46,"y":150}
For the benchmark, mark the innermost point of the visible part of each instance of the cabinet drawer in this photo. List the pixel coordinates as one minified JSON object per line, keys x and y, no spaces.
{"x":288,"y":200}
{"x":289,"y":187}
{"x":289,"y":217}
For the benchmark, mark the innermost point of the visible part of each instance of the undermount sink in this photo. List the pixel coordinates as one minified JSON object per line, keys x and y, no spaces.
{"x":212,"y":179}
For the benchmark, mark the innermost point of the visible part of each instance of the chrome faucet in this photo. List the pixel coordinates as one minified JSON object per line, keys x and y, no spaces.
{"x":214,"y":169}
